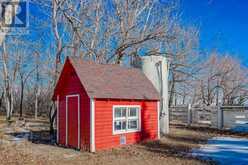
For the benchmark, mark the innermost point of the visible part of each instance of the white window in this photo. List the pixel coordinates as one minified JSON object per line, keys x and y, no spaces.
{"x":126,"y":119}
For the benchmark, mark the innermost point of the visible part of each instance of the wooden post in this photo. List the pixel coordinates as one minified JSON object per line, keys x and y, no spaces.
{"x":189,"y":115}
{"x":219,"y":117}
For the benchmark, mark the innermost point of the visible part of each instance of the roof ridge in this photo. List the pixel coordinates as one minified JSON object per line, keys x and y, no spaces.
{"x":93,"y":62}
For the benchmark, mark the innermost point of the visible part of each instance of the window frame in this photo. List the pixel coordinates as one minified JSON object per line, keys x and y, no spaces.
{"x":126,"y":119}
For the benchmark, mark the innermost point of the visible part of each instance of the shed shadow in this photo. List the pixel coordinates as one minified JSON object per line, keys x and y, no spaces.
{"x":36,"y":137}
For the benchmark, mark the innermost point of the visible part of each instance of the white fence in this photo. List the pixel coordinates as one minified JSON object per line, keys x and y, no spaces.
{"x":210,"y":116}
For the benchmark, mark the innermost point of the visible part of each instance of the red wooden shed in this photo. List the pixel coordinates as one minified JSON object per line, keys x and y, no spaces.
{"x":103,"y":106}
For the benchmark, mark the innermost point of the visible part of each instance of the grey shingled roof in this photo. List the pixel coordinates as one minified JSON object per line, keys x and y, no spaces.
{"x":113,"y":81}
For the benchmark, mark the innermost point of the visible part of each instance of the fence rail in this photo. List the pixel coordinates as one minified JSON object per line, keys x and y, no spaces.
{"x":210,"y":116}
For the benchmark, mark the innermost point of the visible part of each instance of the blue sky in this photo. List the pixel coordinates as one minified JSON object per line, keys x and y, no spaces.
{"x":223,"y":25}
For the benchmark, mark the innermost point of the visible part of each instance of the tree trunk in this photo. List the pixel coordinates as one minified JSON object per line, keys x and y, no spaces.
{"x":8,"y":108}
{"x":1,"y":100}
{"x":9,"y":105}
{"x":52,"y":116}
{"x":36,"y":102}
{"x":58,"y":39}
{"x":36,"y":106}
{"x":172,"y":90}
{"x":21,"y":103}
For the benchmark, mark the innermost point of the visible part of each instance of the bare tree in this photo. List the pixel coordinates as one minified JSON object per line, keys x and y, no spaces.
{"x":9,"y":74}
{"x":23,"y":78}
{"x":184,"y":56}
{"x":222,"y":79}
{"x":37,"y":82}
{"x":108,"y":32}
{"x":8,"y":14}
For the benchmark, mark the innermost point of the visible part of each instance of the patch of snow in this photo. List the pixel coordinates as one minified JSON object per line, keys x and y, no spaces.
{"x":240,"y":117}
{"x":8,"y":130}
{"x":68,"y":156}
{"x":240,"y":128}
{"x":240,"y":122}
{"x":16,"y":137}
{"x":224,"y":150}
{"x":204,"y":122}
{"x":20,"y":137}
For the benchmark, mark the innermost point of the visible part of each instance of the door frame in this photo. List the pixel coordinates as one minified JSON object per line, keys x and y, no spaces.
{"x":69,"y":96}
{"x":57,"y":103}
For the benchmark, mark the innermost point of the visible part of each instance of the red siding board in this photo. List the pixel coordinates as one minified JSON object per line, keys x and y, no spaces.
{"x":104,"y":123}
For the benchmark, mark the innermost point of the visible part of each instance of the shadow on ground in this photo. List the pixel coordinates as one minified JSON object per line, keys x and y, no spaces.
{"x":211,"y":130}
{"x":178,"y":145}
{"x":37,"y":137}
{"x":187,"y":139}
{"x":166,"y":149}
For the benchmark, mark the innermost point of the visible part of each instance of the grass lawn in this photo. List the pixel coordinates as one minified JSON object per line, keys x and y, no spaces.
{"x":173,"y":149}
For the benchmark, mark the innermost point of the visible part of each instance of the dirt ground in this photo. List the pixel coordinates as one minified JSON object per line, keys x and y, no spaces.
{"x":29,"y":143}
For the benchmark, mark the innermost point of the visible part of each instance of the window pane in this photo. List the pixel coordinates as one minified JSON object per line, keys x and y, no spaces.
{"x":117,"y":112}
{"x":117,"y":125}
{"x":124,"y":111}
{"x":133,"y":112}
{"x":120,"y":125}
{"x":133,"y":124}
{"x":124,"y":125}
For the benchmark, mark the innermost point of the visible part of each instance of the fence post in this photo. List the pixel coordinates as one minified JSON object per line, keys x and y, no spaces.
{"x":189,"y":116}
{"x":219,"y":117}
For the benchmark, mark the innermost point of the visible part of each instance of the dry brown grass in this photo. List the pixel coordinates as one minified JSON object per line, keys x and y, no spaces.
{"x":171,"y":150}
